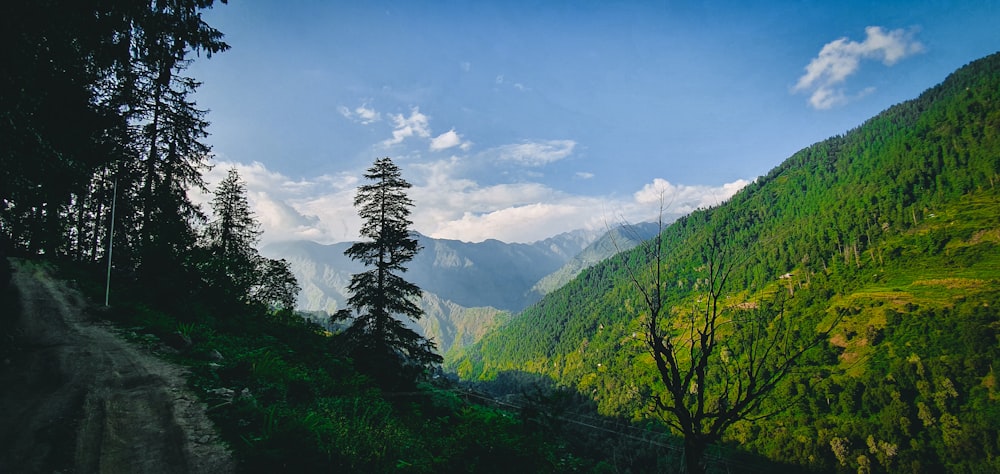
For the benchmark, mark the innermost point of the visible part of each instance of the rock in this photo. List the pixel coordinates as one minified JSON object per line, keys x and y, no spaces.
{"x":222,"y":392}
{"x":178,"y":341}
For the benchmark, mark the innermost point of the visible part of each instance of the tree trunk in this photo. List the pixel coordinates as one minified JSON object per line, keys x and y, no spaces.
{"x":694,"y":454}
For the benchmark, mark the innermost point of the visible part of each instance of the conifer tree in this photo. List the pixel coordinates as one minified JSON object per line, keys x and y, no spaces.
{"x":114,"y":71}
{"x":232,"y":238}
{"x":167,"y":125}
{"x":235,"y":266}
{"x":380,"y":292}
{"x":276,"y":286}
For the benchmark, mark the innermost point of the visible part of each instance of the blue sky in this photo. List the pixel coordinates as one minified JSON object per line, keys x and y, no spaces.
{"x":519,"y":120}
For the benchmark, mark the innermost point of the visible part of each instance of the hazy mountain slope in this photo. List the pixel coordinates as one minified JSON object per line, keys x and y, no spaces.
{"x":618,"y":239}
{"x":895,"y":226}
{"x":468,"y":287}
{"x":491,"y":273}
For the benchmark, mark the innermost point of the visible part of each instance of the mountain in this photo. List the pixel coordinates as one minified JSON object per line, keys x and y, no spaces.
{"x":468,"y":287}
{"x":618,"y":239}
{"x":892,"y":229}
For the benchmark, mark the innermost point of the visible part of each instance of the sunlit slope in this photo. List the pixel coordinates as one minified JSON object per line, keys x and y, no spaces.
{"x":893,"y":227}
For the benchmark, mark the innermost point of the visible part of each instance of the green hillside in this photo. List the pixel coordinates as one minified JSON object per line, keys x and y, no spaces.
{"x":892,"y":228}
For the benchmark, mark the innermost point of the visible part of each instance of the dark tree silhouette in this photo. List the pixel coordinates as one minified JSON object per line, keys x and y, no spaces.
{"x":380,"y":293}
{"x":234,"y":265}
{"x":167,"y":125}
{"x":232,"y":237}
{"x":55,"y":130}
{"x":718,"y":361}
{"x":276,"y":286}
{"x":92,"y":94}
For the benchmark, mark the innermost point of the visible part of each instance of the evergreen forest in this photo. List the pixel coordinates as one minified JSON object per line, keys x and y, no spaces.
{"x":876,"y":253}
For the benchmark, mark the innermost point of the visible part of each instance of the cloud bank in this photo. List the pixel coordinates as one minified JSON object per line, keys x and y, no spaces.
{"x":509,"y":203}
{"x":450,"y":206}
{"x":841,"y":58}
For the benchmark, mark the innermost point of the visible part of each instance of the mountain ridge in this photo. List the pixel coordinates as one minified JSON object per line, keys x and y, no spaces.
{"x":468,"y":286}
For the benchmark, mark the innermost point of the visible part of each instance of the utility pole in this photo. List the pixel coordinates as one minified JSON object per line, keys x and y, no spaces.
{"x":111,"y":239}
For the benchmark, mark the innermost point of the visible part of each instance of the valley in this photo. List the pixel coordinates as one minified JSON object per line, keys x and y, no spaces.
{"x":165,"y":305}
{"x":468,"y":288}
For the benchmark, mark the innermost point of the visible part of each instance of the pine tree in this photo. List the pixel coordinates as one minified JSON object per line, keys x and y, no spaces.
{"x":379,"y":293}
{"x":167,"y":125}
{"x":53,"y":62}
{"x":234,"y":265}
{"x":276,"y":286}
{"x":232,"y":239}
{"x":114,"y":71}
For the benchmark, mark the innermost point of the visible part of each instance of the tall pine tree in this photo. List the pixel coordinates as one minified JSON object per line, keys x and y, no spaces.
{"x":380,"y":340}
{"x":232,"y":238}
{"x":234,"y":266}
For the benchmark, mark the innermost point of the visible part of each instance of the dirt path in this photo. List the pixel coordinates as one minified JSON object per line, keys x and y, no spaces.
{"x":76,"y":398}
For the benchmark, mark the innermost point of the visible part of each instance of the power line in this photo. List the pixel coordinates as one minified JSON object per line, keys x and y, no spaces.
{"x":717,"y":458}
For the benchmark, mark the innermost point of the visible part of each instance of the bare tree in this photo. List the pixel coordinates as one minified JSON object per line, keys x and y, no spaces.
{"x":718,"y":360}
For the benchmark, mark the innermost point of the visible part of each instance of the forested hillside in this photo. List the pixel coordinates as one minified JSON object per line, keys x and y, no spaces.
{"x":618,"y":239}
{"x":890,"y":230}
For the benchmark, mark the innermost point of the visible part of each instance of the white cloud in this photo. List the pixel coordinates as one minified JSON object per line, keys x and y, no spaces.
{"x":450,"y":205}
{"x":447,"y":205}
{"x":841,"y":58}
{"x":367,"y":114}
{"x":363,"y":114}
{"x":527,"y":223}
{"x":584,"y":175}
{"x":680,"y":198}
{"x":502,"y":80}
{"x":417,"y":124}
{"x":449,"y":139}
{"x":319,"y":209}
{"x":531,"y":212}
{"x":536,"y":153}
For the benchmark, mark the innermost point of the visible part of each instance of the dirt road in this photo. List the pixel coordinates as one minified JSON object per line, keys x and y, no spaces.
{"x":76,"y":398}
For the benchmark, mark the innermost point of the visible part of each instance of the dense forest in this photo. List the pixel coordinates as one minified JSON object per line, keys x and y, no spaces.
{"x":890,"y":231}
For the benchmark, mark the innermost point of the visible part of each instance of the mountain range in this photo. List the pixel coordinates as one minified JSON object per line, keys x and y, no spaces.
{"x":468,"y":288}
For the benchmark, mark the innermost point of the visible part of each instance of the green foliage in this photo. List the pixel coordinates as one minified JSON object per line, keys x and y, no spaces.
{"x":892,"y":227}
{"x":232,"y":237}
{"x":233,"y":266}
{"x":284,"y":401}
{"x":380,"y":294}
{"x":116,"y":71}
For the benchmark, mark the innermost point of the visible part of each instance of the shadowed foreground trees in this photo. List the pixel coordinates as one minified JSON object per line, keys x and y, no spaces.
{"x":94,"y":103}
{"x":379,"y":293}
